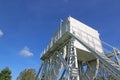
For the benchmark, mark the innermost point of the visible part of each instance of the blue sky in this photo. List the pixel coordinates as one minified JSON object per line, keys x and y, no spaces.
{"x":27,"y":25}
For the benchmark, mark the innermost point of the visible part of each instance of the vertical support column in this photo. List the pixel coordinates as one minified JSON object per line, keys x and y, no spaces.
{"x":55,"y":67}
{"x":72,"y":61}
{"x":64,"y":51}
{"x":80,"y":68}
{"x":45,"y":70}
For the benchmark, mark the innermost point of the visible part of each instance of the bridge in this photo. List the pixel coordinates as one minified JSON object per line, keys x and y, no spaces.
{"x":75,"y":52}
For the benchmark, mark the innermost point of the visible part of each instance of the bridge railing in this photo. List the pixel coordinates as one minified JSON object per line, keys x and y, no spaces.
{"x":93,"y":41}
{"x":64,"y":27}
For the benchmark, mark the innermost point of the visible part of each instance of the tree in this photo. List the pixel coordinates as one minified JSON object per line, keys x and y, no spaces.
{"x":5,"y":74}
{"x":64,"y":78}
{"x":27,"y":74}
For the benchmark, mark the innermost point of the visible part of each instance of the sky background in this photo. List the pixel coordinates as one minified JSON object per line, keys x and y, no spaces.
{"x":26,"y":27}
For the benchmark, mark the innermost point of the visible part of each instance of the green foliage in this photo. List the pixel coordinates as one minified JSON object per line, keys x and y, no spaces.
{"x":64,"y":78}
{"x":27,"y":74}
{"x":102,"y":78}
{"x":5,"y":74}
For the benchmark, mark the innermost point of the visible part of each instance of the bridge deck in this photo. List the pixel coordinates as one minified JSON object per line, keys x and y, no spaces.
{"x":81,"y":55}
{"x":60,"y":43}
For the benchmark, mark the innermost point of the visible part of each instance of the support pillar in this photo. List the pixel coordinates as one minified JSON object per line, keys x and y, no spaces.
{"x":72,"y":61}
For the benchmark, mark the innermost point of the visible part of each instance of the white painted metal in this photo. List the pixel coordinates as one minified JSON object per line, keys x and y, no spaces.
{"x":114,"y":68}
{"x":75,"y":46}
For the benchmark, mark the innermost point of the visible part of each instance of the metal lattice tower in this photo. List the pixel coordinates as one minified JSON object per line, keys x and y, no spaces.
{"x":76,"y":52}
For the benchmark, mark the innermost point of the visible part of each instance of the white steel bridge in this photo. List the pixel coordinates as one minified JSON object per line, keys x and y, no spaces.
{"x":76,"y":52}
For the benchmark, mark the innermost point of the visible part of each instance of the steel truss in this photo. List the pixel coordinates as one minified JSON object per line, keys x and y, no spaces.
{"x":66,"y":58}
{"x":61,"y":61}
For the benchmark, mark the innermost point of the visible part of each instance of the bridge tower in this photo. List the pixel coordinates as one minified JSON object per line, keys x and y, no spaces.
{"x":75,"y":52}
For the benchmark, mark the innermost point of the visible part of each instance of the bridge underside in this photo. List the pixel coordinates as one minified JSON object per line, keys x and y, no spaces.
{"x":84,"y":55}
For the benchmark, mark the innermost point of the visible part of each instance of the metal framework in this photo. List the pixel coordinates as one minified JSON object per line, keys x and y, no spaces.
{"x":62,"y":60}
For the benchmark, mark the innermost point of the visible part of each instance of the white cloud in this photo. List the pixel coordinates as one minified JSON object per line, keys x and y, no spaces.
{"x":26,"y":52}
{"x":1,"y":33}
